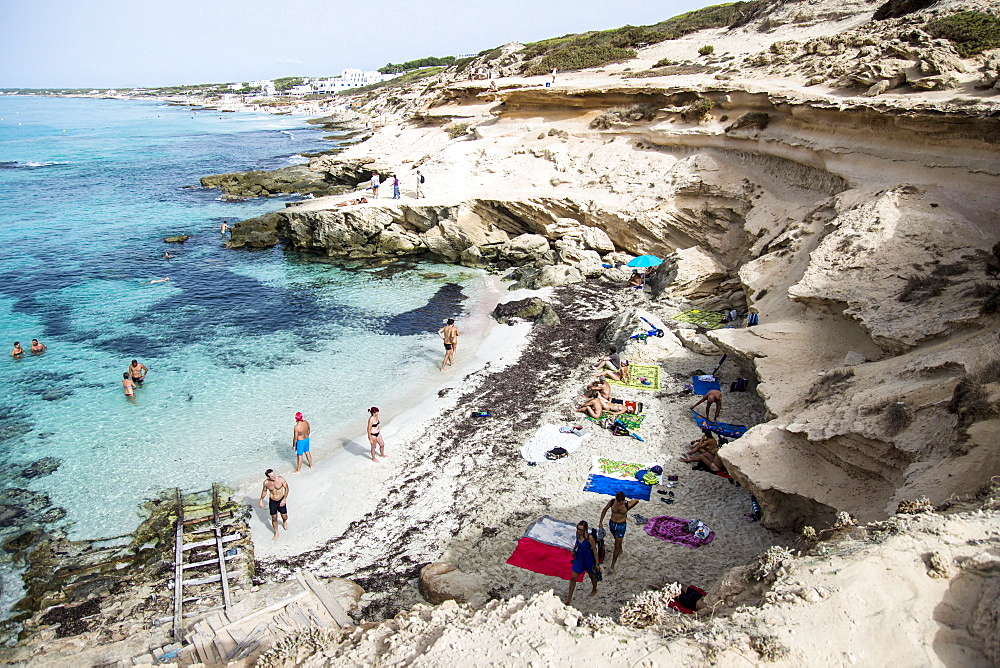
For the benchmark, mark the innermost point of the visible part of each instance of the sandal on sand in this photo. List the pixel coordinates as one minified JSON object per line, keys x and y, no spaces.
{"x":667,"y":500}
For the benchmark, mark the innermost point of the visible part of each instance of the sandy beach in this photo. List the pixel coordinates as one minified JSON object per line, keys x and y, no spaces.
{"x":458,"y":490}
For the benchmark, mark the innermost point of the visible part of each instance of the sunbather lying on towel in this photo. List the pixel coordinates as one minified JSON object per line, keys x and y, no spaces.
{"x":706,"y":451}
{"x":598,"y":405}
{"x":620,"y":375}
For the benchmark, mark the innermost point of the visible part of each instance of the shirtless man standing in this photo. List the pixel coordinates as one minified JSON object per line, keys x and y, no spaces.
{"x":449,"y":333}
{"x":300,"y":442}
{"x":712,"y":397}
{"x":137,"y":372}
{"x":37,"y":347}
{"x":276,"y":486}
{"x":619,"y":508}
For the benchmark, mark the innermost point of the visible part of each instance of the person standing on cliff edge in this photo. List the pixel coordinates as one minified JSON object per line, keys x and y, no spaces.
{"x":449,"y":333}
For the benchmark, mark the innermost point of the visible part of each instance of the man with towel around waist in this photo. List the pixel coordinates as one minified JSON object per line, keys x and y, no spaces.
{"x":300,"y":442}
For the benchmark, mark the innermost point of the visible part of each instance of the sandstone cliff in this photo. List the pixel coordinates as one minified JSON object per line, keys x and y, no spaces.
{"x":857,"y":228}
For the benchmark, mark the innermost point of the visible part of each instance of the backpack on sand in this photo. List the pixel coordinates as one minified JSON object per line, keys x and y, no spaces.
{"x":556,"y":453}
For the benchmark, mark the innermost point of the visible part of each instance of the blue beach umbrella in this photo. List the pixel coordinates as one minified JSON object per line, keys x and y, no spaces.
{"x":645,"y":261}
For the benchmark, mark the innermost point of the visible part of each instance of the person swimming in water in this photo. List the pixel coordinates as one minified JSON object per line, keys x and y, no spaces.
{"x":375,"y":433}
{"x":300,"y":442}
{"x":18,"y":352}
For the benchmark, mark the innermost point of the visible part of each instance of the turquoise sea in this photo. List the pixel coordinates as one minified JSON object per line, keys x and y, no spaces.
{"x":235,"y":342}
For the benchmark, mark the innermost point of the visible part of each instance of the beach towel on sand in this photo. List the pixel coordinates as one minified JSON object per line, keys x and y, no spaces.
{"x":637,"y":373}
{"x":552,"y":532}
{"x":706,"y":319}
{"x":727,"y":430}
{"x":631,"y":422}
{"x":547,"y":437}
{"x":544,"y":559}
{"x":671,"y":529}
{"x":610,"y":476}
{"x":547,"y":548}
{"x":705,"y":386}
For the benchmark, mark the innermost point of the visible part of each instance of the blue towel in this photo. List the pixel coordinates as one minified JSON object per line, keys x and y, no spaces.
{"x":703,"y":387}
{"x":727,"y":430}
{"x":601,"y":484}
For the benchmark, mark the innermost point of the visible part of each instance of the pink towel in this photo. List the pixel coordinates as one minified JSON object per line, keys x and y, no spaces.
{"x":671,"y":529}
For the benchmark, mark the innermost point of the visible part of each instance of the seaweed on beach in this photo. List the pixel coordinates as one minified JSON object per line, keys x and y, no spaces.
{"x":515,"y":396}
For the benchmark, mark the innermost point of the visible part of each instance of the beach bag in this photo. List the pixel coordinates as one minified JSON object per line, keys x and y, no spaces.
{"x":693,"y":526}
{"x":753,"y":319}
{"x":630,"y":406}
{"x":556,"y":453}
{"x":618,"y":429}
{"x":738,"y":385}
{"x":598,"y":535}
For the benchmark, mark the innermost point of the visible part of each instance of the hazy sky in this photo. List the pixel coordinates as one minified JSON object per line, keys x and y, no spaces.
{"x":125,"y":43}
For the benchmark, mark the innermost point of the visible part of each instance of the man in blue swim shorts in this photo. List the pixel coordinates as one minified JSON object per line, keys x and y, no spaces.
{"x":300,"y":442}
{"x":619,"y":508}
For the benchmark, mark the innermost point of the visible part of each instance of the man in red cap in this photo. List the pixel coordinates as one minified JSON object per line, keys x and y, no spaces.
{"x":300,"y":442}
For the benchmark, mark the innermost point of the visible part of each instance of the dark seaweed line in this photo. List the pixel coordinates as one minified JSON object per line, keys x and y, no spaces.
{"x":516,"y":396}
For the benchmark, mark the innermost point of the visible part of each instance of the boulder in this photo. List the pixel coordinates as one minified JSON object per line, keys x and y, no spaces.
{"x":531,"y":309}
{"x":587,"y":262}
{"x":558,"y":274}
{"x":693,"y":273}
{"x":696,"y":342}
{"x":621,"y":328}
{"x":259,"y":232}
{"x":440,"y":582}
{"x":347,"y":592}
{"x":598,"y":240}
{"x":524,"y":248}
{"x":396,"y":240}
{"x":177,"y":239}
{"x":258,"y":183}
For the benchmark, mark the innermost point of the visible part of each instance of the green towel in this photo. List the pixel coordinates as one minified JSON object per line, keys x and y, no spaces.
{"x":706,"y":319}
{"x":638,"y":372}
{"x":628,"y":419}
{"x":616,"y":466}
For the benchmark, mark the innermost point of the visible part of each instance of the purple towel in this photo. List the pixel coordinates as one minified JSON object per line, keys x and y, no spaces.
{"x":671,"y":529}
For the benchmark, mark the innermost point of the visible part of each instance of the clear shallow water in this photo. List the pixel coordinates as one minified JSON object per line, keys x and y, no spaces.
{"x":236,"y":341}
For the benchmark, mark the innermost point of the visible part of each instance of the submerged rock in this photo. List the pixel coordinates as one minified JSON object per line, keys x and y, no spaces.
{"x":44,"y":466}
{"x":177,"y":239}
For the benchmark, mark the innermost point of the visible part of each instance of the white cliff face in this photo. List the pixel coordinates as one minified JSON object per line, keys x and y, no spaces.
{"x":843,"y":183}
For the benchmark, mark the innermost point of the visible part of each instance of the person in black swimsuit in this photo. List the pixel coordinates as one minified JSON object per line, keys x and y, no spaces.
{"x":138,"y":372}
{"x":375,"y":433}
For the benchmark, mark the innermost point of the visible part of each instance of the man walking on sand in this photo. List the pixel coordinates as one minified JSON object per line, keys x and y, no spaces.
{"x":449,"y":333}
{"x":619,"y":508}
{"x":712,"y":397}
{"x":277,"y":488}
{"x":375,"y":185}
{"x":420,"y":185}
{"x":300,"y":442}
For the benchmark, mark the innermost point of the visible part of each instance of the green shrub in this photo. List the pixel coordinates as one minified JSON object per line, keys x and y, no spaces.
{"x":706,"y":50}
{"x":579,"y":58}
{"x":716,"y":16}
{"x":663,"y":62}
{"x":458,"y":129}
{"x":969,"y":32}
{"x":633,"y":114}
{"x":431,"y":61}
{"x":697,"y":110}
{"x":896,"y":417}
{"x":921,"y":288}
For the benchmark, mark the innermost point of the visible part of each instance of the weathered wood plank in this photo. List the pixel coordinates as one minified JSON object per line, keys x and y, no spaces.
{"x":331,"y":604}
{"x":179,"y":568}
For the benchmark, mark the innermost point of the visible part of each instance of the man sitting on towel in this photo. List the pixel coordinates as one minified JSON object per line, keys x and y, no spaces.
{"x":706,"y":451}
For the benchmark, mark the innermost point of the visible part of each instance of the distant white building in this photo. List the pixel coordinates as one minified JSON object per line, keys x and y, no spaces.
{"x":236,"y":86}
{"x":265,"y":87}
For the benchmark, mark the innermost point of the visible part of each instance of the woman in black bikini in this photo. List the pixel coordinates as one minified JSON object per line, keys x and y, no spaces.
{"x":375,"y":433}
